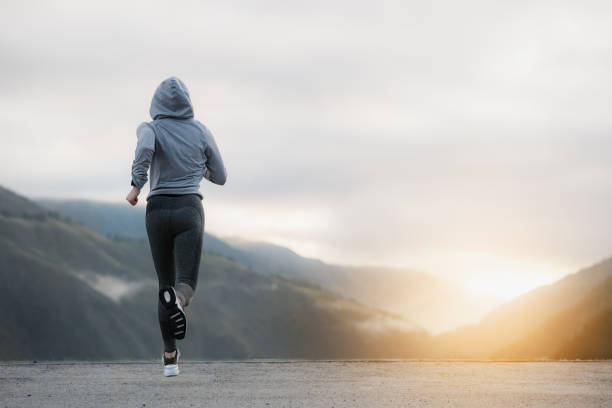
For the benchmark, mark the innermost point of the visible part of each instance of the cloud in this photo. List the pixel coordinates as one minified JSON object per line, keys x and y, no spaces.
{"x":385,"y":132}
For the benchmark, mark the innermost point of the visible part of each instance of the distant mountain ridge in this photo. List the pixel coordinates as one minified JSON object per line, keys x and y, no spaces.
{"x":16,"y":205}
{"x":419,"y":297}
{"x":122,"y":221}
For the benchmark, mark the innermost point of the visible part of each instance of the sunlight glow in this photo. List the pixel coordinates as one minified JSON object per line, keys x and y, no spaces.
{"x":501,"y":277}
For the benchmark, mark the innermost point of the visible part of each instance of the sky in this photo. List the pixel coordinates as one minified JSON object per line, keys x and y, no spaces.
{"x":466,"y":139}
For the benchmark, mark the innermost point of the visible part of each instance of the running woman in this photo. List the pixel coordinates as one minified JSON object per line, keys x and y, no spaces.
{"x":180,"y":151}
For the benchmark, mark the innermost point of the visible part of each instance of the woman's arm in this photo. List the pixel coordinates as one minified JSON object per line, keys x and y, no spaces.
{"x":145,"y":148}
{"x":215,"y":169}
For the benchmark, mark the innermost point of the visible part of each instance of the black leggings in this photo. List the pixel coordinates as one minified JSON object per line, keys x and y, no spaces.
{"x":175,"y":226}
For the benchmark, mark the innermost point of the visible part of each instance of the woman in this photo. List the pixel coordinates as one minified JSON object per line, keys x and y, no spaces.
{"x":180,"y":151}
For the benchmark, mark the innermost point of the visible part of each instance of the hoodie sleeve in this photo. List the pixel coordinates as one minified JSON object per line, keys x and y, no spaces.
{"x":145,"y":148}
{"x":215,"y":169}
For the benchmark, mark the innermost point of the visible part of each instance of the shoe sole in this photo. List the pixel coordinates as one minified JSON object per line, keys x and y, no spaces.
{"x":167,"y":296}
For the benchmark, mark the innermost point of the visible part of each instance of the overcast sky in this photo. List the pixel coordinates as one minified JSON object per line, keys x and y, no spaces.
{"x":468,"y":139}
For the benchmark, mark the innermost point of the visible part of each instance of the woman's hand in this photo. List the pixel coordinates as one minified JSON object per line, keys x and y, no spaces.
{"x":132,"y":196}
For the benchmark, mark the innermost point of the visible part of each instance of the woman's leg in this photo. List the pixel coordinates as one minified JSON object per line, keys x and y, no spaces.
{"x":161,"y":243}
{"x":189,"y":224}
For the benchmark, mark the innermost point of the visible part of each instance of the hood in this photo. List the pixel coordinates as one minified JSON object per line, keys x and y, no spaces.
{"x":171,"y":100}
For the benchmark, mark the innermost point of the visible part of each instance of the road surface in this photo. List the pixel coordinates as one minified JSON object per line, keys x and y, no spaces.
{"x":309,"y":384}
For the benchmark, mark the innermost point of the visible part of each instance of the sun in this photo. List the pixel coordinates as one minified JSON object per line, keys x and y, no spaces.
{"x":490,"y":275}
{"x":504,"y":286}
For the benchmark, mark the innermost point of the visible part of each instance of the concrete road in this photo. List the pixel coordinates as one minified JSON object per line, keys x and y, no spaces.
{"x":309,"y":384}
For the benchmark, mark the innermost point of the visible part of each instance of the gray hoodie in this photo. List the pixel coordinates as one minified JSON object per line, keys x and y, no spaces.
{"x":179,"y":149}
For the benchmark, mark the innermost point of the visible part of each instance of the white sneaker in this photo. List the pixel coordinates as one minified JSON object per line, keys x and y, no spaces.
{"x":171,"y":364}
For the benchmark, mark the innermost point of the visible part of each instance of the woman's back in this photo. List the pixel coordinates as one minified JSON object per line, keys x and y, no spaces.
{"x":179,"y":149}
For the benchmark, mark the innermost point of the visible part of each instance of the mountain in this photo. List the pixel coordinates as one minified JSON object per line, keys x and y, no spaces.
{"x":15,"y":205}
{"x":121,"y":221}
{"x":576,"y":332}
{"x":537,"y":323}
{"x":72,"y":293}
{"x":418,"y":297}
{"x":594,"y":341}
